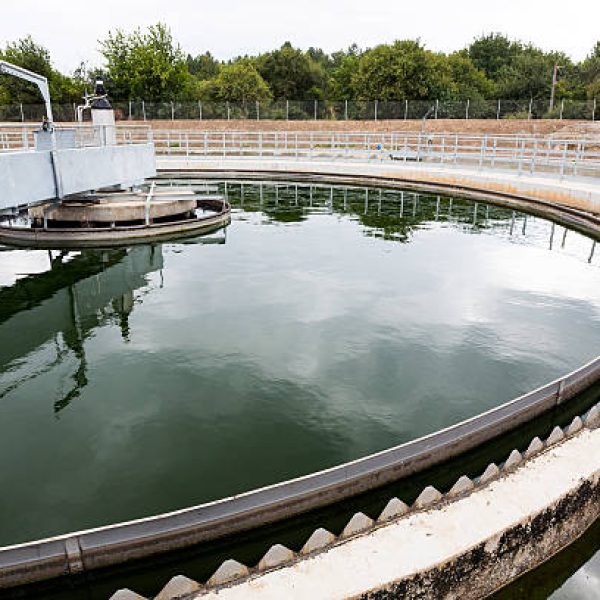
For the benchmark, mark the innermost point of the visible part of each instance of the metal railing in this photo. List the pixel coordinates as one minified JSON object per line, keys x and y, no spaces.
{"x":524,"y":153}
{"x":23,"y":136}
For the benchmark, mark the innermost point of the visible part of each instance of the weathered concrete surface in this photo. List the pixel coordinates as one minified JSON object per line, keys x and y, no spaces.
{"x":462,"y":549}
{"x":112,"y":210}
{"x":27,"y":177}
{"x":569,"y":192}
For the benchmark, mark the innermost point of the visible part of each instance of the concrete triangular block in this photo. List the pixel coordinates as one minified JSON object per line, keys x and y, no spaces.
{"x":126,"y":594}
{"x":492,"y":471}
{"x":319,"y":539}
{"x":575,"y":426}
{"x":515,"y":458}
{"x":428,"y":497}
{"x":592,"y":419}
{"x":534,"y":447}
{"x":359,"y":522}
{"x":556,"y":436}
{"x":463,"y":485}
{"x":394,"y":508}
{"x":228,"y":571}
{"x":177,"y":587}
{"x":275,"y":556}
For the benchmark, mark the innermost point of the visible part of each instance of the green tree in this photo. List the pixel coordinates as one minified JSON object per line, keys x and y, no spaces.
{"x":28,"y":54}
{"x":342,"y":82}
{"x":530,"y":75}
{"x":146,"y":65}
{"x":468,"y":82}
{"x":291,"y":74}
{"x":237,"y":82}
{"x":590,"y":73}
{"x":203,"y":66}
{"x":493,"y":52}
{"x":404,"y":69}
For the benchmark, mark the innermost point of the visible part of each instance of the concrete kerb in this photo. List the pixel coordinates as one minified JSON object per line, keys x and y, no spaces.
{"x":114,"y":544}
{"x":361,"y":525}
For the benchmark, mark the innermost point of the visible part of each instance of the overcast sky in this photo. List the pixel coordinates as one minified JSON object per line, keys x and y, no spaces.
{"x":70,"y":29}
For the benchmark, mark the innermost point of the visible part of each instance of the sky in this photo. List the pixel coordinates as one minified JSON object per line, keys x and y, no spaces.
{"x":71,"y":30}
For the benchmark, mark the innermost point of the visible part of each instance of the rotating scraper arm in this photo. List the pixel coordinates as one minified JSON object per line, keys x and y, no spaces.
{"x":39,"y":80}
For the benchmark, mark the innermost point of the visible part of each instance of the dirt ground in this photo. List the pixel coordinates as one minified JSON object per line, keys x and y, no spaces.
{"x":475,"y":126}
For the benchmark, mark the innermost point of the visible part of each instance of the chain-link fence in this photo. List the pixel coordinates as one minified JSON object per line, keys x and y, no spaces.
{"x":320,"y":110}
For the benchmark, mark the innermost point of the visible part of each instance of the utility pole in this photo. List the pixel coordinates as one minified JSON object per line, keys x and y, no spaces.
{"x":554,"y":82}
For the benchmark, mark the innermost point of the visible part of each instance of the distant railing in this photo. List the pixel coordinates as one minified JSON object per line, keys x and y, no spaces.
{"x":524,"y":153}
{"x":23,"y":136}
{"x":140,"y":110}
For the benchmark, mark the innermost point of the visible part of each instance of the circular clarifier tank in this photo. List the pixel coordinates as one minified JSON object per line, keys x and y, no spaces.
{"x":326,"y":323}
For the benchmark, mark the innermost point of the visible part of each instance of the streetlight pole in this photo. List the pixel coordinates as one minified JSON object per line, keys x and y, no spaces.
{"x":554,"y":82}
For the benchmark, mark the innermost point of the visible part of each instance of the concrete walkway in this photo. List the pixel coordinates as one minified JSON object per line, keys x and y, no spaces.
{"x":581,"y":193}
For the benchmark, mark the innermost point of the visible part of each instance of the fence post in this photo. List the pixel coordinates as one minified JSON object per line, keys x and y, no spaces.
{"x":316,"y":104}
{"x":144,"y":110}
{"x":228,"y":111}
{"x":287,"y":110}
{"x":498,"y":111}
{"x":594,"y":110}
{"x":257,"y":110}
{"x":172,"y":111}
{"x":467,"y":109}
{"x":562,"y":108}
{"x":375,"y":109}
{"x":130,"y":110}
{"x":405,"y":110}
{"x":346,"y":110}
{"x":22,"y":113}
{"x":437,"y":108}
{"x":529,"y":112}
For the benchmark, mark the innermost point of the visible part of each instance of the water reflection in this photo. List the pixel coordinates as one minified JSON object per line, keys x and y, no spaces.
{"x":62,"y":306}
